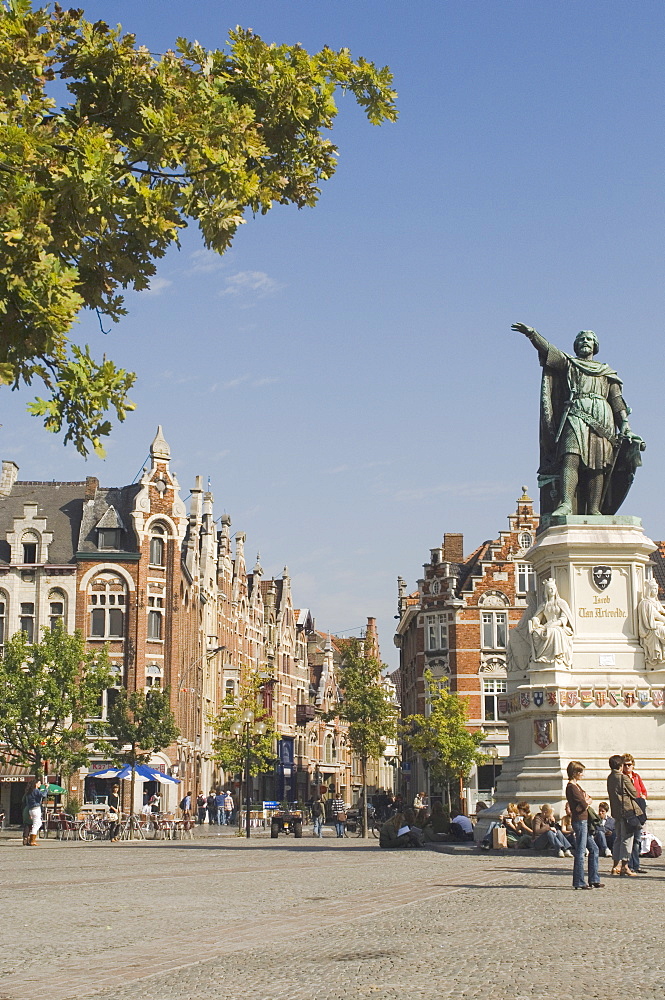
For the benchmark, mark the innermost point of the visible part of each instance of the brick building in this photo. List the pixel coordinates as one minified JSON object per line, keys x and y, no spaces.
{"x":168,"y":593}
{"x":456,"y":626}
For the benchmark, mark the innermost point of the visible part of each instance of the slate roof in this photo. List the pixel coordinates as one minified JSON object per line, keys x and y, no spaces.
{"x":122,"y":499}
{"x":69,"y":517}
{"x":60,"y":503}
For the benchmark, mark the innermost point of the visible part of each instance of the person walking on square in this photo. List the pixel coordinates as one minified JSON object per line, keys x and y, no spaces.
{"x":641,"y":792}
{"x":318,"y":816}
{"x":338,"y":810}
{"x":228,"y":807}
{"x":579,"y":802}
{"x":34,"y":797}
{"x":626,"y":812}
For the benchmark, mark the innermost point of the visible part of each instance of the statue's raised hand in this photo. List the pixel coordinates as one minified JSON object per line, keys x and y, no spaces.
{"x":523,"y":328}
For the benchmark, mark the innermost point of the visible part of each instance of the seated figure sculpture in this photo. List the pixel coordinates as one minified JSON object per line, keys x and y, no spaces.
{"x":552,"y":630}
{"x":651,"y":618}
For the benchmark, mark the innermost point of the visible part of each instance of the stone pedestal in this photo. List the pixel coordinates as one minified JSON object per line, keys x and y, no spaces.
{"x":609,"y":700}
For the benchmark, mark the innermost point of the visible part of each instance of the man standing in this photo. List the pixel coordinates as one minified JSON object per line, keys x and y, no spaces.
{"x":212,"y":809}
{"x":201,"y":808}
{"x":626,"y":812}
{"x":318,"y":815}
{"x":219,"y":807}
{"x":228,"y":807}
{"x":338,"y":810}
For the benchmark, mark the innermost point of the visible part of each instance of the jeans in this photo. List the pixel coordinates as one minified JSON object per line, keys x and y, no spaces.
{"x":340,"y":826}
{"x":634,"y":862}
{"x":584,"y":841}
{"x":623,"y":842}
{"x":551,"y":838}
{"x":318,"y":826}
{"x":221,"y":816}
{"x":202,"y":815}
{"x":600,"y":836}
{"x":212,"y":815}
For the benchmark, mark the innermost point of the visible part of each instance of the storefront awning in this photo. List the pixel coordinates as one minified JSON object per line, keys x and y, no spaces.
{"x":14,"y":772}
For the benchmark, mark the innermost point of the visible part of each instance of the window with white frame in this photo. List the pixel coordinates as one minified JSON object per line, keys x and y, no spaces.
{"x":526,"y":578}
{"x":155,"y":617}
{"x":494,"y":629}
{"x":230,"y":692}
{"x":108,"y":538}
{"x":56,"y":608}
{"x":27,"y":620}
{"x":492,"y":688}
{"x":153,"y":675}
{"x":526,"y":540}
{"x":30,"y":543}
{"x":106,"y":607}
{"x":157,"y":544}
{"x":436,"y":632}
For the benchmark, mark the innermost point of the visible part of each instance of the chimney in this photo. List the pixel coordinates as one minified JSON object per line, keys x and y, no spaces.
{"x":91,"y":487}
{"x":453,"y":547}
{"x":9,"y":477}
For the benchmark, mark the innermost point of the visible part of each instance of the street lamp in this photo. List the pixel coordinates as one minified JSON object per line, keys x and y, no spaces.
{"x":247,"y":729}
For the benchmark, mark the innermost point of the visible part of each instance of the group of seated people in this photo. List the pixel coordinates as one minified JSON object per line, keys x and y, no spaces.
{"x":543,"y":831}
{"x":415,"y":828}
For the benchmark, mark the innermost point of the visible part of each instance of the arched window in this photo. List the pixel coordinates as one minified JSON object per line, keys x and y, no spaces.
{"x":153,"y":676}
{"x":106,"y":606}
{"x":328,"y":749}
{"x":526,"y":540}
{"x":56,"y":608}
{"x":157,"y":544}
{"x":30,"y":543}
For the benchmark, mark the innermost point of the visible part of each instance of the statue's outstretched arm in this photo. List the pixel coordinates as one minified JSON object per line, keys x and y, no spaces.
{"x":541,"y":345}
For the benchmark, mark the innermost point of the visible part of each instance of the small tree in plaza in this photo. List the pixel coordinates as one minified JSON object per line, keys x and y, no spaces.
{"x":365,"y":707}
{"x":48,"y":689}
{"x":229,"y":750}
{"x":442,"y":738}
{"x":140,"y":724}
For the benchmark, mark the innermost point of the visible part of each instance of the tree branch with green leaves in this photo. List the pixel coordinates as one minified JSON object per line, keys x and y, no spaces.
{"x":93,"y":193}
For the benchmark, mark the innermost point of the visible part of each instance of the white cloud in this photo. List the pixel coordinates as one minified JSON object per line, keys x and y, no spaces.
{"x":250,"y":283}
{"x":157,"y":286}
{"x":247,"y":379}
{"x":205,"y":262}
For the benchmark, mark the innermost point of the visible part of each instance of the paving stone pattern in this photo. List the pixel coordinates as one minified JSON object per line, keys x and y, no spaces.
{"x":327,"y":919}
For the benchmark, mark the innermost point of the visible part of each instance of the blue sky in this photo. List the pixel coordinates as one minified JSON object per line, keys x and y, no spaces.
{"x":346,"y":375}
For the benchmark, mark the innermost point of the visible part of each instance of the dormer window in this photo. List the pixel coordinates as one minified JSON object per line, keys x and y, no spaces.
{"x":108,"y":530}
{"x":108,"y":538}
{"x":29,"y":544}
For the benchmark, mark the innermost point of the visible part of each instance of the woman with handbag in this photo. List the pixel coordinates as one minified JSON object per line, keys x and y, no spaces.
{"x":640,"y":789}
{"x":338,"y":810}
{"x":626,"y":812}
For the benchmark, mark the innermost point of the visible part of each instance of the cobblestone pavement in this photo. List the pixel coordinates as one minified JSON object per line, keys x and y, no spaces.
{"x":220,"y":916}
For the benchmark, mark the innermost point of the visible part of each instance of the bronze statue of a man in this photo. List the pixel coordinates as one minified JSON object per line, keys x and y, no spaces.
{"x":588,"y":453}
